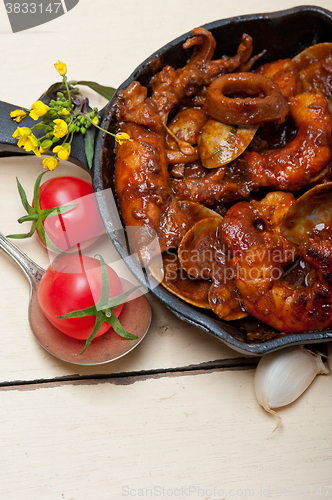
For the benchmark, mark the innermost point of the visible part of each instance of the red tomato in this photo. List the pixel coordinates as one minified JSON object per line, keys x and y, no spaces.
{"x":71,"y":283}
{"x":80,"y":224}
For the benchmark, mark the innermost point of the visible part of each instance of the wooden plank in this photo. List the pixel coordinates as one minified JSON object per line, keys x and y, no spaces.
{"x":159,"y":437}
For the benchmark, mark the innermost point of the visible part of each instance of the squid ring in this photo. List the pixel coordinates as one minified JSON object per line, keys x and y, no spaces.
{"x":264,"y":101}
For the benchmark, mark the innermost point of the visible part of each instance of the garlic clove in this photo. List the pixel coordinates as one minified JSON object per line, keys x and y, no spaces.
{"x":281,"y":377}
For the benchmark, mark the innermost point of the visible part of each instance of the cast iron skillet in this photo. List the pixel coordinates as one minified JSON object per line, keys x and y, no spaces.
{"x":283,"y":34}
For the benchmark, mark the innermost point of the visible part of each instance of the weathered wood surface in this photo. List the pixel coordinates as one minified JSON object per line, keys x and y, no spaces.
{"x":177,"y":417}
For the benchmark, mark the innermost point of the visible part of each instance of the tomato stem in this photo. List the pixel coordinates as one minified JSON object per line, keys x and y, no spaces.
{"x":103,"y":309}
{"x":36,"y":215}
{"x":27,"y":218}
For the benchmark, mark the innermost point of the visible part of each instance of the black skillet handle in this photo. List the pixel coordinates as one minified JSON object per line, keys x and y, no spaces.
{"x":8,"y":145}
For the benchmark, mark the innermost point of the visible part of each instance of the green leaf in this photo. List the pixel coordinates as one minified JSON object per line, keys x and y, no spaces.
{"x":119,"y":299}
{"x":103,"y":90}
{"x":96,"y":328}
{"x":118,"y":328}
{"x":89,"y":142}
{"x":105,"y":285}
{"x":52,"y":212}
{"x":55,"y":87}
{"x":44,"y":236}
{"x":80,"y":313}
{"x":22,"y":236}
{"x":36,"y":191}
{"x":28,"y":218}
{"x":23,"y":197}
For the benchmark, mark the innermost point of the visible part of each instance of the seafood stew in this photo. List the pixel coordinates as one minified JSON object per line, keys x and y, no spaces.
{"x":244,"y":200}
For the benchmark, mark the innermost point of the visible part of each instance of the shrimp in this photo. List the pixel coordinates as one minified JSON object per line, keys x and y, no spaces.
{"x":141,"y":182}
{"x":293,"y":167}
{"x":285,"y":74}
{"x":208,"y":249}
{"x":285,"y":307}
{"x":141,"y":175}
{"x":251,"y":223}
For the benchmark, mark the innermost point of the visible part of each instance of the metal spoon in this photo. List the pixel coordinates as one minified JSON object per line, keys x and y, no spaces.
{"x":135,"y":318}
{"x":310,"y":215}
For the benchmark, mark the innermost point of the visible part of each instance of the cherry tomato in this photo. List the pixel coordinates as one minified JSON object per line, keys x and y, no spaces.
{"x":73,"y":283}
{"x":79,"y":225}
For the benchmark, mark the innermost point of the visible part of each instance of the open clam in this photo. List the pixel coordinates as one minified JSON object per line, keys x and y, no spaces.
{"x":315,"y":66}
{"x":175,"y":279}
{"x":196,"y":211}
{"x":220,"y":144}
{"x":179,"y":283}
{"x":186,"y":125}
{"x":310,"y":216}
{"x":203,"y":255}
{"x":178,"y":218}
{"x":183,"y":131}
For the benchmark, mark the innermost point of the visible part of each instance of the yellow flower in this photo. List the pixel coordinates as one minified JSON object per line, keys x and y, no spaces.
{"x":65,"y":111}
{"x":32,"y":144}
{"x":96,"y":120}
{"x":18,"y":115}
{"x":38,"y":109}
{"x":22,"y":134}
{"x":61,"y":68}
{"x":51,"y":162}
{"x":62,"y":151}
{"x":122,"y":137}
{"x":60,"y":129}
{"x":27,"y":140}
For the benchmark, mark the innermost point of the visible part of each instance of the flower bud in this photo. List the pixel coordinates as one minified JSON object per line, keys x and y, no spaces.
{"x":61,"y":68}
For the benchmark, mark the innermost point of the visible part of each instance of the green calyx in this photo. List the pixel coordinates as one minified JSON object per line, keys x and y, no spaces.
{"x":37,"y":215}
{"x":103,"y":309}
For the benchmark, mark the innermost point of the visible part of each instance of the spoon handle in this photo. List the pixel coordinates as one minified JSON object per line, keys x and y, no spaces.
{"x":29,"y":267}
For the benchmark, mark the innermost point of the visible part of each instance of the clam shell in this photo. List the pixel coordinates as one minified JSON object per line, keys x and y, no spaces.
{"x":220,"y":144}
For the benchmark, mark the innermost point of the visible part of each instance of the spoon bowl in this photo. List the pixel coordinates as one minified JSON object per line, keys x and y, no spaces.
{"x":135,"y":318}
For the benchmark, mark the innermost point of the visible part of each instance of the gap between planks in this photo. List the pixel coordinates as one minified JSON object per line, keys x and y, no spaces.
{"x":127,"y":378}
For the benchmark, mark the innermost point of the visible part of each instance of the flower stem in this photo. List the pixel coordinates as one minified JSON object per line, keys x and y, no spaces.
{"x":67,"y":88}
{"x":97,"y":126}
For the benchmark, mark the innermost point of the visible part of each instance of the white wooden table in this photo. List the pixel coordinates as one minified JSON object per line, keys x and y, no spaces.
{"x":177,"y":417}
